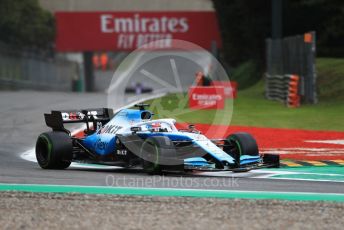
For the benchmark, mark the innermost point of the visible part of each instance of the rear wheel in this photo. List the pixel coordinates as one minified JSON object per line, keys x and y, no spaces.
{"x":241,"y":144}
{"x":54,"y":150}
{"x":154,"y":153}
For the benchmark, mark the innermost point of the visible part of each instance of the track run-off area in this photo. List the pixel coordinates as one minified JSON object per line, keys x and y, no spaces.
{"x":316,"y":159}
{"x":305,"y":155}
{"x":312,"y":161}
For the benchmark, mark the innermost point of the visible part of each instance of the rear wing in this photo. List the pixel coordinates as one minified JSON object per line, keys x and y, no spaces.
{"x":56,"y":119}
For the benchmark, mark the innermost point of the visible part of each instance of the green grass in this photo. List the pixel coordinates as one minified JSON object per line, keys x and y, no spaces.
{"x":176,"y":106}
{"x":330,"y":73}
{"x":252,"y":109}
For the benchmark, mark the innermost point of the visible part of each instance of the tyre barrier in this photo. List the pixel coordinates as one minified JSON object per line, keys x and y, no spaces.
{"x":283,"y":88}
{"x":293,"y":99}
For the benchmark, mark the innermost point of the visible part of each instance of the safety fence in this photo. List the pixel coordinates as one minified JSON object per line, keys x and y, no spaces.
{"x":291,"y":56}
{"x":30,"y":70}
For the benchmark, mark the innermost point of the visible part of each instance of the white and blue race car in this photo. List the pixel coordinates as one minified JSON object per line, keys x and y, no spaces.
{"x":132,"y":139}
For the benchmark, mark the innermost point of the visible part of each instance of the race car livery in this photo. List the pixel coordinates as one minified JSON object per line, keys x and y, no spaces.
{"x":130,"y":138}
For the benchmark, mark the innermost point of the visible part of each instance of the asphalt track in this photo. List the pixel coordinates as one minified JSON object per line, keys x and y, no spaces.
{"x":22,"y":121}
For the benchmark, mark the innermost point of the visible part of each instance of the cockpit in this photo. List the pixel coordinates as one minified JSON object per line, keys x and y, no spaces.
{"x":158,"y":126}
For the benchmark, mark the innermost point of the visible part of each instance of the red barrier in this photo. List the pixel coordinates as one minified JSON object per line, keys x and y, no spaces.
{"x":231,"y":88}
{"x":205,"y":97}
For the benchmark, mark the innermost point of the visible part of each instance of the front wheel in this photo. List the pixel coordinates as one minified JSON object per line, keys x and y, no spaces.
{"x":54,"y":150}
{"x":238,"y":144}
{"x":156,"y":152}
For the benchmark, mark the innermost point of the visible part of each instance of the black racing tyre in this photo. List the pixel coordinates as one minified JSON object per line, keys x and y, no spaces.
{"x":154,"y":152}
{"x":241,"y":143}
{"x":54,"y":150}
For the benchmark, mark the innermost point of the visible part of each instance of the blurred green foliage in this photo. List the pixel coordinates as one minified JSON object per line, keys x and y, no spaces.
{"x":245,"y":24}
{"x":246,"y":74}
{"x":23,"y":23}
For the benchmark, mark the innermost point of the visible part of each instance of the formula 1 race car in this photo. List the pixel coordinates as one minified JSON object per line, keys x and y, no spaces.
{"x":131,"y":139}
{"x":138,"y":88}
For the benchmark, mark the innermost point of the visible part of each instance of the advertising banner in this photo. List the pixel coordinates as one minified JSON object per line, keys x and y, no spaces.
{"x":126,"y":31}
{"x":206,"y":97}
{"x":230,"y":87}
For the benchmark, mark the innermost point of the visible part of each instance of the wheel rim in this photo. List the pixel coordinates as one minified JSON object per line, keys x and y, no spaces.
{"x":151,"y":158}
{"x":235,"y":150}
{"x":236,"y":145}
{"x":43,"y":150}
